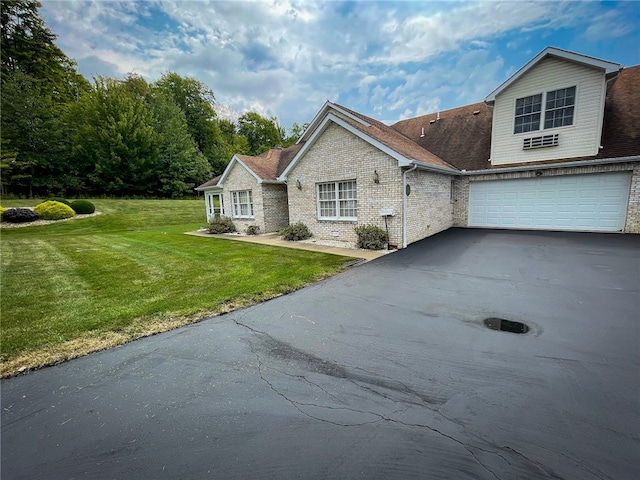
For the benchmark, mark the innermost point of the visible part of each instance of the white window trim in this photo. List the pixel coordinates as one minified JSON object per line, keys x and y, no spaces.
{"x":543,"y":111}
{"x":337,"y":218}
{"x":236,"y":204}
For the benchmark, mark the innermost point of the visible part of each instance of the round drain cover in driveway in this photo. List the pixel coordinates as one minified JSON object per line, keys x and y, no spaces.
{"x":505,"y":325}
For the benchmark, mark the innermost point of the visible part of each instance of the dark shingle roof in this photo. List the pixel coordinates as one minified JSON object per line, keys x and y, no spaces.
{"x":271,"y":163}
{"x":211,"y":183}
{"x":394,"y":139}
{"x":460,"y":136}
{"x":464,"y":139}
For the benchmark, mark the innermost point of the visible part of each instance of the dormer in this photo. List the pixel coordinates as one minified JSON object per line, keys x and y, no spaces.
{"x":552,"y":108}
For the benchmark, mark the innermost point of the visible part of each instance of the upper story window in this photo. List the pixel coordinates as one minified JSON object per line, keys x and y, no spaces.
{"x":559,"y":108}
{"x":242,"y":204}
{"x":528,"y":113}
{"x":337,"y":201}
{"x":558,"y":111}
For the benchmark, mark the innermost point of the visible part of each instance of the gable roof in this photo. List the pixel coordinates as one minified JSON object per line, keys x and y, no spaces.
{"x":372,"y":131}
{"x":210,"y":185}
{"x":607,"y":67}
{"x":264,"y":167}
{"x":462,"y":137}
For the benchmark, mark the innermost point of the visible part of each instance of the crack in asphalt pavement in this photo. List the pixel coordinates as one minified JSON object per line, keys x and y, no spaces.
{"x":329,"y":368}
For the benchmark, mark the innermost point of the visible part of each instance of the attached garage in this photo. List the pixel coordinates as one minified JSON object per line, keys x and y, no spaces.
{"x":593,"y":202}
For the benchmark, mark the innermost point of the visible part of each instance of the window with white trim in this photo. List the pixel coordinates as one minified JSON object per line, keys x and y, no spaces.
{"x":337,"y":201}
{"x":528,"y":113}
{"x":559,"y":108}
{"x":558,"y":112}
{"x":242,"y":204}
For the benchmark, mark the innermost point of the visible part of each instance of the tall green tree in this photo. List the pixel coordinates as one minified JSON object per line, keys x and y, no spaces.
{"x":294,"y":133}
{"x":195,"y":100}
{"x":37,"y":82}
{"x":180,"y":166}
{"x":115,"y":142}
{"x":261,"y":133}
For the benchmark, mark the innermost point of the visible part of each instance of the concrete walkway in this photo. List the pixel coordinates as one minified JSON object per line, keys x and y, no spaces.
{"x":274,"y":240}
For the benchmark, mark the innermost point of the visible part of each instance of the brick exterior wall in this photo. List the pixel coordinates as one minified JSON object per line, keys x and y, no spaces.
{"x":240,"y":179}
{"x":632,"y":224}
{"x":339,"y":155}
{"x":275,"y":207}
{"x":429,"y":206}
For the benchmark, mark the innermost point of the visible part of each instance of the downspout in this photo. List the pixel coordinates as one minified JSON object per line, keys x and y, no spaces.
{"x":404,"y":205}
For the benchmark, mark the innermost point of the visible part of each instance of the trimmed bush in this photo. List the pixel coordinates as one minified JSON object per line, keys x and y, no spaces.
{"x":58,"y":199}
{"x":252,"y":230}
{"x":221,"y":225}
{"x":51,"y":210}
{"x":20,"y":215}
{"x":2,"y":210}
{"x":371,"y":237}
{"x":83,"y":207}
{"x":295,"y":232}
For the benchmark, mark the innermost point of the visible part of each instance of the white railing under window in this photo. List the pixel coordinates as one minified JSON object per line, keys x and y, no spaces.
{"x":337,"y":201}
{"x":242,"y":204}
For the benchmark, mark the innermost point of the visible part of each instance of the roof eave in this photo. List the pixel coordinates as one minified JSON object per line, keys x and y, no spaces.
{"x":425,"y":166}
{"x":606,"y":66}
{"x":550,"y":166}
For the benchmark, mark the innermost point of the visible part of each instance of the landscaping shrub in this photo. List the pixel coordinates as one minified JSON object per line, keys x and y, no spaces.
{"x":295,"y":232}
{"x":2,"y":210}
{"x":83,"y":207}
{"x":20,"y":215}
{"x":371,"y":237}
{"x":221,"y":225}
{"x":58,"y":199}
{"x":52,"y":210}
{"x":252,"y":230}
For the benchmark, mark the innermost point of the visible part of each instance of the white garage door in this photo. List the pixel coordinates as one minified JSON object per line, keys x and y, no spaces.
{"x":596,"y":202}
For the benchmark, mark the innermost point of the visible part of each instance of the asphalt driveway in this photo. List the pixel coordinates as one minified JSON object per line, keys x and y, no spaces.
{"x":384,"y":371}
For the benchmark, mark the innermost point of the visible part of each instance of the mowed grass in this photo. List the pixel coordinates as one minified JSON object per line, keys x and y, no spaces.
{"x":86,"y":284}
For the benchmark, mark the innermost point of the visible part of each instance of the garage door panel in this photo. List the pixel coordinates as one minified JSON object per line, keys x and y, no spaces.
{"x":596,"y":202}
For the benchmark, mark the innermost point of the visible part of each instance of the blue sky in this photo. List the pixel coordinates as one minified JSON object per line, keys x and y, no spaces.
{"x":388,"y":60}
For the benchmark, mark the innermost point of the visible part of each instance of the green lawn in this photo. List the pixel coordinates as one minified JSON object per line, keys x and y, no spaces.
{"x":85,"y":284}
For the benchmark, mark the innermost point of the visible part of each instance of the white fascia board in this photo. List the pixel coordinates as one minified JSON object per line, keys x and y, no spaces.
{"x":350,"y":115}
{"x":338,"y":121}
{"x":608,"y":67}
{"x":210,"y":188}
{"x":233,"y":161}
{"x":314,"y":123}
{"x":322,"y":113}
{"x":550,"y":166}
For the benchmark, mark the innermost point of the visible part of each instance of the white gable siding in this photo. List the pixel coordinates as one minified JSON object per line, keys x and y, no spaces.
{"x":577,"y":140}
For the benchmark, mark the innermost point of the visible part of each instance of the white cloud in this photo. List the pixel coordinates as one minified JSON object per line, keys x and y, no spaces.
{"x":286,"y":57}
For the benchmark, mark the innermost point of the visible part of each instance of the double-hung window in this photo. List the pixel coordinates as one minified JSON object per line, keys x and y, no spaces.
{"x":558,"y":110}
{"x":528,"y":113}
{"x":242,"y":204}
{"x":337,"y":201}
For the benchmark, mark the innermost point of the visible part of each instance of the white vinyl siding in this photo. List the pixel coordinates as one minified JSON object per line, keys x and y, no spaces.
{"x":581,"y":138}
{"x":242,"y":204}
{"x":337,"y":201}
{"x":593,"y":202}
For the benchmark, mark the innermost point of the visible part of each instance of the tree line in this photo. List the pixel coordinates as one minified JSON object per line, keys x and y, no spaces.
{"x":62,"y":135}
